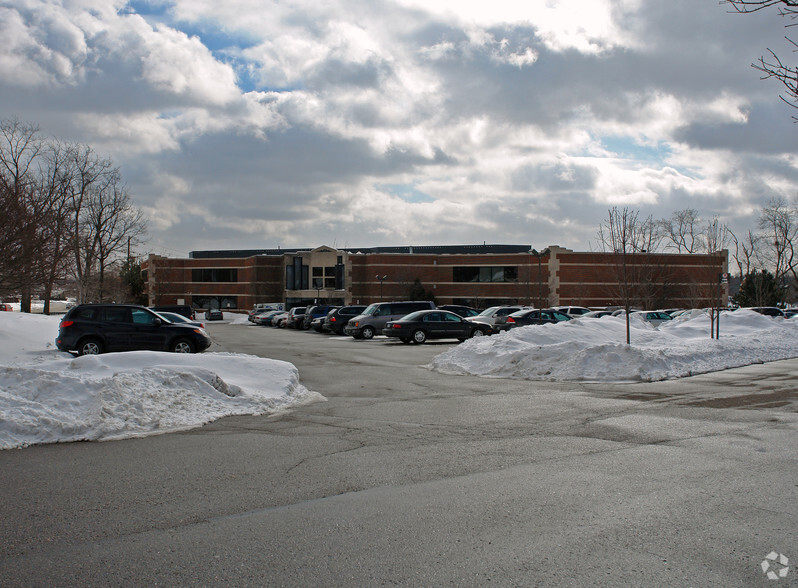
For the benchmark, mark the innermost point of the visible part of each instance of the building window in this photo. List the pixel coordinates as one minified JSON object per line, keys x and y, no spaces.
{"x":214,"y":275}
{"x":323,"y":277}
{"x":485,"y":274}
{"x":296,"y":275}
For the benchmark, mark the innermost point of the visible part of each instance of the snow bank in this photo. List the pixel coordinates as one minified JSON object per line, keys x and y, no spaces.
{"x":47,"y":396}
{"x":594,"y":350}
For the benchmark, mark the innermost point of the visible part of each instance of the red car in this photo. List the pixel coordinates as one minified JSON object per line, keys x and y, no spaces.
{"x":6,"y":307}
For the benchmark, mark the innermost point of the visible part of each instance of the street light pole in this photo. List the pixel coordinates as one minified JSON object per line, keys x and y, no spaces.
{"x":539,"y":254}
{"x":381,"y":279}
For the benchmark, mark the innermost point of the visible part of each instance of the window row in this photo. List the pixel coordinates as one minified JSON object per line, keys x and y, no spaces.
{"x":225,"y":274}
{"x":485,"y":274}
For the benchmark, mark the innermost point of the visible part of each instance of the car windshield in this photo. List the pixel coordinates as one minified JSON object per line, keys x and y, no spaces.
{"x":370,"y":309}
{"x":489,"y":311}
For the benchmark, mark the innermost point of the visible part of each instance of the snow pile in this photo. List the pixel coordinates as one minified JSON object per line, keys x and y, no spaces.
{"x":595,"y":350}
{"x":48,"y":396}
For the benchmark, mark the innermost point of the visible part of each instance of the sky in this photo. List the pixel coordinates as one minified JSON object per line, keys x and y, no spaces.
{"x":349,"y":123}
{"x":49,"y":396}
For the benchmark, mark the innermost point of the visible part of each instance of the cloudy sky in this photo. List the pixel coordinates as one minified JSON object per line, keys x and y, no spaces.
{"x":356,"y":123}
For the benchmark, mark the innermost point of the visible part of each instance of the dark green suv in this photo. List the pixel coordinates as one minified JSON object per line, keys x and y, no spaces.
{"x":89,"y":329}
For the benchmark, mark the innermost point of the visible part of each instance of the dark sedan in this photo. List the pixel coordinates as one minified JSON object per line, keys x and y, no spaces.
{"x":434,"y":324}
{"x":214,"y":314}
{"x":530,"y":317}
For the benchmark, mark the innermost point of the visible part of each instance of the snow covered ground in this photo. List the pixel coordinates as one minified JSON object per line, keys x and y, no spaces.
{"x":48,"y":396}
{"x":594,"y":350}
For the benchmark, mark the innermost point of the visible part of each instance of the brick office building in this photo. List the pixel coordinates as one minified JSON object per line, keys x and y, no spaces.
{"x":476,"y":275}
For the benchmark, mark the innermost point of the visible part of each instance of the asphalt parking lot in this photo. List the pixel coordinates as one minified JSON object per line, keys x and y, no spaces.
{"x":406,"y":476}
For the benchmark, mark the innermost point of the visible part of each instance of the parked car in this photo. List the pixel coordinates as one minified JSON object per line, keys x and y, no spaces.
{"x":314,"y":312}
{"x":530,"y":316}
{"x":766,"y":310}
{"x":572,"y":311}
{"x":433,"y":324}
{"x":96,"y":328}
{"x":373,"y":319}
{"x":463,"y":311}
{"x":317,"y":324}
{"x":597,"y":314}
{"x":179,"y":319}
{"x":5,"y":307}
{"x":489,"y":315}
{"x":264,"y":318}
{"x":336,"y":320}
{"x":655,"y":317}
{"x":295,"y":317}
{"x":278,"y":320}
{"x":790,"y":312}
{"x":183,"y":309}
{"x":622,"y":312}
{"x":688,"y":313}
{"x":263,"y":307}
{"x":214,"y":314}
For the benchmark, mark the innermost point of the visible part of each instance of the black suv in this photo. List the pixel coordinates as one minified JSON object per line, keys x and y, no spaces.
{"x":96,"y":328}
{"x":336,"y":320}
{"x":314,"y":312}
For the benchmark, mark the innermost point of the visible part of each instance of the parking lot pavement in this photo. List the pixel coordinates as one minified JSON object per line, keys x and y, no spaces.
{"x":405,"y":476}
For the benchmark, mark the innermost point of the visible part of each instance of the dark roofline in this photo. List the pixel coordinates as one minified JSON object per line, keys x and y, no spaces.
{"x":421,"y":249}
{"x":240,"y":253}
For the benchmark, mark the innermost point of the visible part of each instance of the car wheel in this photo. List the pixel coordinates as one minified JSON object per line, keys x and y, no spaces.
{"x":367,"y":333}
{"x":90,"y":347}
{"x":477,"y":333}
{"x":182,"y":346}
{"x":419,"y":336}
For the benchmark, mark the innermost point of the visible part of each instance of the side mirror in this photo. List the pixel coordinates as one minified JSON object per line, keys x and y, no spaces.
{"x":157,"y":322}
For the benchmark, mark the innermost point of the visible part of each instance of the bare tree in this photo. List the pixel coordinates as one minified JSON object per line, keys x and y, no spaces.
{"x":778,"y":221}
{"x":20,"y":146}
{"x":55,"y":254}
{"x":618,"y":235}
{"x":64,"y":209}
{"x":773,"y":66}
{"x":110,"y":224}
{"x":682,"y":230}
{"x":746,"y":251}
{"x":715,"y":236}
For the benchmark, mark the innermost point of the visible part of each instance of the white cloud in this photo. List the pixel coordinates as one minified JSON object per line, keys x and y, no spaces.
{"x":283,"y":122}
{"x":174,"y":62}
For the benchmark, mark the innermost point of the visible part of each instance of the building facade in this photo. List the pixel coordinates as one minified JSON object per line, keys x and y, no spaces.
{"x":475,"y":275}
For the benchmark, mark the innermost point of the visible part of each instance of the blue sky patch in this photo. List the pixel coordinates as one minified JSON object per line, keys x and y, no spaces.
{"x":627,"y":148}
{"x":223,"y":45}
{"x":407,"y":192}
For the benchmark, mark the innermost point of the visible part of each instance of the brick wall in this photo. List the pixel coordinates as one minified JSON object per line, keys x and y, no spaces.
{"x":563,"y":277}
